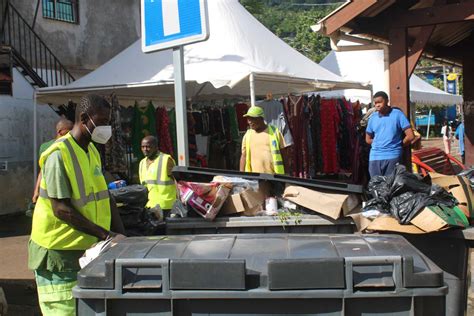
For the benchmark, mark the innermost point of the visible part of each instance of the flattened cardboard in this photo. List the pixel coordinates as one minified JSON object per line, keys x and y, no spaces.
{"x":460,"y":188}
{"x":435,"y":218}
{"x":390,"y":224}
{"x":324,"y":203}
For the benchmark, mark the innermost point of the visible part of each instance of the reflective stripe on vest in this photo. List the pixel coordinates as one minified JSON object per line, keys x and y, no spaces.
{"x":278,"y":166}
{"x":161,"y":188}
{"x":49,"y":231}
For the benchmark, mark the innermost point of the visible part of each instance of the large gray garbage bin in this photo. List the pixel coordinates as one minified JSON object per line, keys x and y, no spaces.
{"x":262,"y":274}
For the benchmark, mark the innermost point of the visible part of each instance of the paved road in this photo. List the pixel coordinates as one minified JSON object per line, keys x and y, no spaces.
{"x":15,"y":278}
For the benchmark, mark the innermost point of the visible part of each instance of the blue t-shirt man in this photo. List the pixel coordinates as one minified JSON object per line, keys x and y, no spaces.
{"x":385,"y":132}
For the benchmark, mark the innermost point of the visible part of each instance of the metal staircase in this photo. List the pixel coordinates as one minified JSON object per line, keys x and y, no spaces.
{"x":29,"y":54}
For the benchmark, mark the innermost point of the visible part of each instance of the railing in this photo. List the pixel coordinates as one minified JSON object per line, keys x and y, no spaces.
{"x":29,"y":50}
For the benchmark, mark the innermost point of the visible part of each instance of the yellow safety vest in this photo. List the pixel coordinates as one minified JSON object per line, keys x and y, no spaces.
{"x":278,"y":166}
{"x":89,"y":196}
{"x":161,"y":187}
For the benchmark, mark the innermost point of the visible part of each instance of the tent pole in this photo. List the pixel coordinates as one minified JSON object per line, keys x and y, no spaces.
{"x":180,"y":105}
{"x":429,"y":123}
{"x":252,"y":89}
{"x":35,"y":139}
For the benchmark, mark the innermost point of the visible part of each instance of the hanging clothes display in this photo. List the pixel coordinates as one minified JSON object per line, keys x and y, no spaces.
{"x":241,"y":109}
{"x":115,"y":148}
{"x":275,"y":115}
{"x":143,"y":125}
{"x":298,"y":153}
{"x":163,"y":131}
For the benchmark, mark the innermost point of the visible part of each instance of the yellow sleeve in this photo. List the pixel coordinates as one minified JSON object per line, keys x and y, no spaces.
{"x":244,"y":142}
{"x":281,"y":139}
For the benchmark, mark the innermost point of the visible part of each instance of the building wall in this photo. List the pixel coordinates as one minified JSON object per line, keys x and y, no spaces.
{"x":16,"y":144}
{"x":105,"y":28}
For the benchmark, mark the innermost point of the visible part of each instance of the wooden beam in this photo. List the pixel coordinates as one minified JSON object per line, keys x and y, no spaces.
{"x":468,"y":107}
{"x":340,"y":18}
{"x":398,"y":59}
{"x":399,"y":84}
{"x":448,"y":13}
{"x":418,"y":46}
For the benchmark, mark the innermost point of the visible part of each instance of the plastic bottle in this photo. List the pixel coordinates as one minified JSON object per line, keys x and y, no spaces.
{"x":117,"y":184}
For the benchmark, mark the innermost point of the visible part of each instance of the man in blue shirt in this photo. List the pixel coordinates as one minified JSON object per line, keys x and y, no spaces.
{"x":384,"y":133}
{"x":460,"y":136}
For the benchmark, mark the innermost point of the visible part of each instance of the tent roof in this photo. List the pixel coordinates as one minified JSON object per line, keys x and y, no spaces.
{"x":368,"y":66}
{"x":238,"y":45}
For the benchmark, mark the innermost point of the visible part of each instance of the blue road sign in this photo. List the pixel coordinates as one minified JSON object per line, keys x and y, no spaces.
{"x":172,"y":23}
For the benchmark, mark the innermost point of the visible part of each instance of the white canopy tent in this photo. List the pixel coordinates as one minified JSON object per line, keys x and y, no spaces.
{"x":238,"y":47}
{"x":368,"y":66}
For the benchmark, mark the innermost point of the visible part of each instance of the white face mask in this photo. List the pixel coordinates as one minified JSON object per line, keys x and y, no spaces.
{"x":100,"y":134}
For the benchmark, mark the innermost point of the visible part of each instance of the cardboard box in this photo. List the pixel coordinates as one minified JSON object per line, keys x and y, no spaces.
{"x":460,"y":188}
{"x":430,"y":219}
{"x":436,"y":218}
{"x":390,"y":224}
{"x":328,"y":204}
{"x":248,"y":202}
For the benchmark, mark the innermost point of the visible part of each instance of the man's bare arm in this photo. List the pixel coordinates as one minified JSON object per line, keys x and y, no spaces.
{"x":368,"y":139}
{"x":409,"y":137}
{"x":63,"y":209}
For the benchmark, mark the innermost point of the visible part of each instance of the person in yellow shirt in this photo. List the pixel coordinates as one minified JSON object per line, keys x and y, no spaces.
{"x":74,"y":209}
{"x":155,"y":173}
{"x":263,"y":146}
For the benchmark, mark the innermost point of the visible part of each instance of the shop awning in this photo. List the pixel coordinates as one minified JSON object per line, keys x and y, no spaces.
{"x":368,"y":66}
{"x":238,"y":46}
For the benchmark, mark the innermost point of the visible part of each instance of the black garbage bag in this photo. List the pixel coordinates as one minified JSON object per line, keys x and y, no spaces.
{"x":378,"y":204}
{"x":135,"y":194}
{"x":404,"y":195}
{"x":379,"y":187}
{"x":407,"y":205}
{"x":403,"y":181}
{"x":130,"y":215}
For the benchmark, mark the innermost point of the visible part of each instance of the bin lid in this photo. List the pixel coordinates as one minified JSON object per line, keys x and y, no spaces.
{"x":196,"y":174}
{"x":271,"y":262}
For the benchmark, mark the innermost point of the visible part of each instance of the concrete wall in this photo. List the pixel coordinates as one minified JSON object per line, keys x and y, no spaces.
{"x":16,"y":144}
{"x":105,"y":28}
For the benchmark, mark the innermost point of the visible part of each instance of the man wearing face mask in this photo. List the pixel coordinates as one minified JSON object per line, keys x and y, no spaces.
{"x":74,"y":209}
{"x":155,"y":173}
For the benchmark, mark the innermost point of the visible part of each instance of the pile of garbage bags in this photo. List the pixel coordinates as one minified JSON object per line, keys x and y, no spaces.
{"x":137,"y":220}
{"x":404,"y":195}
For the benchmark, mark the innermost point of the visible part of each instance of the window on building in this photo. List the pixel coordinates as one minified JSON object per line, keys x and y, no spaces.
{"x":62,"y":10}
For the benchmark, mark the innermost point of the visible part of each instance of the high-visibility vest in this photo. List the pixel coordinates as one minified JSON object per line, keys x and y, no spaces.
{"x":278,"y":166}
{"x":90,"y":197}
{"x":161,"y":187}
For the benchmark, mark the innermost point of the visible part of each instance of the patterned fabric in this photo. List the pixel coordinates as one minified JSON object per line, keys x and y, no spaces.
{"x":163,"y":132}
{"x":330,"y":119}
{"x":143,"y":125}
{"x":115,"y":148}
{"x":298,"y":154}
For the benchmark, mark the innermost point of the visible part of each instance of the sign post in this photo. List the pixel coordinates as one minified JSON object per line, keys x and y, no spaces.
{"x":173,"y":24}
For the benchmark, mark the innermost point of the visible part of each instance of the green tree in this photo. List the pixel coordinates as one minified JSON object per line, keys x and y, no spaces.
{"x":293,"y":25}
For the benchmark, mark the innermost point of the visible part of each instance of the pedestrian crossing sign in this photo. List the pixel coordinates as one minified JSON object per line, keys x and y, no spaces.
{"x":172,"y":23}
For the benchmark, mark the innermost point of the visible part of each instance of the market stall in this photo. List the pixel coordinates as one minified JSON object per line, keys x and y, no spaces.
{"x":241,"y":61}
